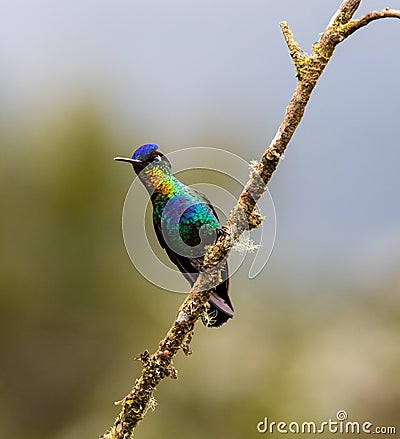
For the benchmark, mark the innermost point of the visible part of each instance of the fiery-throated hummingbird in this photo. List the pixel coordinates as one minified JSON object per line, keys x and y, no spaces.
{"x":185,"y":223}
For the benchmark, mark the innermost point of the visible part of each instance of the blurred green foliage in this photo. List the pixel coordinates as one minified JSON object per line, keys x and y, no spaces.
{"x":74,"y":313}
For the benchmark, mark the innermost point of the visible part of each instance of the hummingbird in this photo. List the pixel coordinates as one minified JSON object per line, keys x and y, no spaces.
{"x":185,"y":223}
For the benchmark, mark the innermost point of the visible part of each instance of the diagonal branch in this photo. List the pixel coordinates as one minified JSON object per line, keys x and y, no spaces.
{"x":243,"y":216}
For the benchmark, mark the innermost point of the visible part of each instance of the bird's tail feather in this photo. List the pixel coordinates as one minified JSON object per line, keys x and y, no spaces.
{"x":221,"y":309}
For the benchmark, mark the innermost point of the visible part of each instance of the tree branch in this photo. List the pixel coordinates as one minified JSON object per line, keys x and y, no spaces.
{"x":354,"y":25}
{"x":244,"y":215}
{"x":345,"y":12}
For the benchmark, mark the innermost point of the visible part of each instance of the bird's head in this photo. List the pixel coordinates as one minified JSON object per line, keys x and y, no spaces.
{"x":147,"y":156}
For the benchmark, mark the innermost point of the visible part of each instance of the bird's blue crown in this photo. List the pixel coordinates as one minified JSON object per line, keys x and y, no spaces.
{"x":144,"y":151}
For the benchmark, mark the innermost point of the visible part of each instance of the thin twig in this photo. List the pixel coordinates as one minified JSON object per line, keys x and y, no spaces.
{"x":243,"y":216}
{"x":354,"y":25}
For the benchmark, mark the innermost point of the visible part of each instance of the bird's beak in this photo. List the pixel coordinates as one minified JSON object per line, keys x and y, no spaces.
{"x":129,"y":160}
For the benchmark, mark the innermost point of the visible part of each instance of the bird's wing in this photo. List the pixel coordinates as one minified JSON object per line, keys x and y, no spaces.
{"x":207,"y":202}
{"x":188,"y":267}
{"x":220,"y":305}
